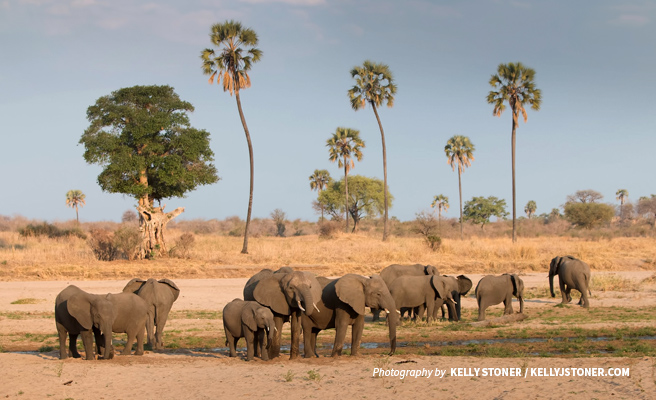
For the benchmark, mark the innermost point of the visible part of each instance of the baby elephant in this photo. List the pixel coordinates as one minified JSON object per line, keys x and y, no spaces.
{"x":492,"y":290}
{"x":250,"y":320}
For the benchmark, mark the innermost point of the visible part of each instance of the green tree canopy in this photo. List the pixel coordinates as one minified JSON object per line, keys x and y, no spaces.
{"x":530,"y":208}
{"x":366,"y":198}
{"x":142,"y":138}
{"x":585,"y":196}
{"x":479,"y":210}
{"x":459,"y":152}
{"x":75,"y":199}
{"x":588,"y":215}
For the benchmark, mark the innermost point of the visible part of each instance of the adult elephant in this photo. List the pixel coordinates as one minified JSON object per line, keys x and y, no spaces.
{"x":423,"y":292}
{"x":252,"y":321}
{"x":343,"y":303}
{"x":572,"y":274}
{"x":288,"y":295}
{"x":458,"y":287}
{"x":160,"y":296}
{"x":72,"y":320}
{"x":493,"y":290}
{"x":391,"y":272}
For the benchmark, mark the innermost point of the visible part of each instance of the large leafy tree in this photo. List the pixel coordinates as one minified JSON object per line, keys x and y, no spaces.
{"x":442,"y":203}
{"x":514,"y":84}
{"x":75,"y":199}
{"x":366,"y":198}
{"x":230,"y":64}
{"x":343,"y":147}
{"x":142,"y":138}
{"x":479,"y":210}
{"x":319,"y":179}
{"x":459,"y":153}
{"x":374,"y":85}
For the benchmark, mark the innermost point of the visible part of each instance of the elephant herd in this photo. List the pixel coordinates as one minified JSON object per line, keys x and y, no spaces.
{"x":310,"y":303}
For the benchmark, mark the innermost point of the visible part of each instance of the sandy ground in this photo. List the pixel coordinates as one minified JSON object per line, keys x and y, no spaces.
{"x":191,"y":375}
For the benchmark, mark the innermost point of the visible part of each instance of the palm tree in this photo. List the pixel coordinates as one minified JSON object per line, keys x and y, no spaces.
{"x":622,"y":194}
{"x":231,"y":64}
{"x":514,"y":83}
{"x":343,"y":146}
{"x":75,"y":199}
{"x":442,"y":203}
{"x":318,"y":181}
{"x":530,"y":208}
{"x":374,"y":84}
{"x":459,"y":151}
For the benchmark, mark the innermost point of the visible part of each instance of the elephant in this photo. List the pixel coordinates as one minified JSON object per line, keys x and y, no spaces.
{"x":391,"y":272}
{"x":342,"y":303}
{"x":572,"y":274}
{"x":422,"y":291}
{"x":67,"y":322}
{"x":252,"y":321}
{"x":160,"y":296}
{"x":458,"y":286}
{"x":288,"y":295}
{"x":493,"y":290}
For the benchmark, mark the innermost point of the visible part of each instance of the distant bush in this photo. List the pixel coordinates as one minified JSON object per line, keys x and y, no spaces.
{"x":434,"y":242}
{"x":183,"y":245}
{"x":127,"y":240}
{"x":50,"y":230}
{"x":589,"y":215}
{"x":102,"y":245}
{"x":328,"y":229}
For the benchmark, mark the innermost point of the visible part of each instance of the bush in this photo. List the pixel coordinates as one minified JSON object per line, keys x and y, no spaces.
{"x":102,"y":245}
{"x":589,"y":215}
{"x":434,"y":242}
{"x":127,"y":240}
{"x":50,"y":230}
{"x":328,"y":229}
{"x":183,"y":245}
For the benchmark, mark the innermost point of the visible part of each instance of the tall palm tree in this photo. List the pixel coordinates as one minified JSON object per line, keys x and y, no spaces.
{"x":459,"y":151}
{"x":513,"y":83}
{"x":231,"y":63}
{"x":374,"y":84}
{"x":442,"y":203}
{"x":530,"y":208}
{"x":75,"y":199}
{"x":343,"y":146}
{"x":622,"y":194}
{"x":318,"y":181}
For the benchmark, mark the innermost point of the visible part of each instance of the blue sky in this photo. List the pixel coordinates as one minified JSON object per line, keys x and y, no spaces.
{"x":594,"y":62}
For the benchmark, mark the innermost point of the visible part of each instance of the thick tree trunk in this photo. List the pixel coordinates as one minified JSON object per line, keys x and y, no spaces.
{"x":382,"y":136}
{"x":244,"y":249}
{"x":152,"y":225}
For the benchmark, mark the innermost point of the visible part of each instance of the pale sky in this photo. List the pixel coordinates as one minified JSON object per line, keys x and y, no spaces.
{"x":595,"y":63}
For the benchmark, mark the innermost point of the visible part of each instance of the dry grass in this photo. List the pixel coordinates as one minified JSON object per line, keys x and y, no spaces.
{"x":215,"y":256}
{"x":613,"y":283}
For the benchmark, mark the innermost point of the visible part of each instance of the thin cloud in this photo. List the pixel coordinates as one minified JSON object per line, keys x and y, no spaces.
{"x":289,"y":2}
{"x":631,"y":20}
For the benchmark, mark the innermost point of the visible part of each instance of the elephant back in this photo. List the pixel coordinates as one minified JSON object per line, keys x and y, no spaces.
{"x":252,"y":282}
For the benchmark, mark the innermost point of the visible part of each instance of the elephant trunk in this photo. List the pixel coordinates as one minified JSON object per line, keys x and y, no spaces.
{"x":271,"y":327}
{"x":108,"y":352}
{"x":551,"y":289}
{"x":392,"y":322}
{"x":521,"y":303}
{"x":306,"y":298}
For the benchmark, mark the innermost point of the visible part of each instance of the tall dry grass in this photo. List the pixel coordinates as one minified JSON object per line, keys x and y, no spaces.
{"x":219,"y":256}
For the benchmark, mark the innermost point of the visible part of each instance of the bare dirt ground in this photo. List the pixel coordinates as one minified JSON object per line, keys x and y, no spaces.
{"x":28,"y":373}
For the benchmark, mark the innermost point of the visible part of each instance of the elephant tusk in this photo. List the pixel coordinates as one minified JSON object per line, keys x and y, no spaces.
{"x":315,"y":307}
{"x":300,"y":306}
{"x":387,"y":311}
{"x":398,"y":311}
{"x":275,"y":329}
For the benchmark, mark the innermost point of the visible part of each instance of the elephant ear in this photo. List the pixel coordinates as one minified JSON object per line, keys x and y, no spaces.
{"x":350,"y":290}
{"x":439,"y":286}
{"x":79,"y":307}
{"x":134,"y":286}
{"x":555,"y":264}
{"x":248,"y":317}
{"x":464,"y":285}
{"x":513,"y":280}
{"x":268,"y":292}
{"x":316,"y":289}
{"x":174,"y":288}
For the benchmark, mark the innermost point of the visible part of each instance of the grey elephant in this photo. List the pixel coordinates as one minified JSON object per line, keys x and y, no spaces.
{"x":67,"y":323}
{"x":288,"y":295}
{"x":422,"y":291}
{"x":492,"y":290}
{"x":572,"y":274}
{"x":458,"y":287}
{"x":160,"y":296}
{"x":252,"y":321}
{"x":343,"y":303}
{"x":391,"y":272}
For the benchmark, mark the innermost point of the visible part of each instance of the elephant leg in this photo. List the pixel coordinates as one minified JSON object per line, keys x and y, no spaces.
{"x":274,"y":349}
{"x":308,"y":349}
{"x":313,"y":341}
{"x":251,"y":342}
{"x":296,"y":335}
{"x":430,"y":305}
{"x":356,"y":335}
{"x":61,"y":332}
{"x":481,"y":309}
{"x":140,"y":342}
{"x":563,"y":292}
{"x":568,"y":293}
{"x":458,"y":308}
{"x":87,"y":341}
{"x":259,"y":345}
{"x":585,"y":302}
{"x":376,"y":314}
{"x":162,"y":317}
{"x":150,"y":331}
{"x":508,"y":305}
{"x":341,"y":322}
{"x":443,"y":308}
{"x":128,"y":344}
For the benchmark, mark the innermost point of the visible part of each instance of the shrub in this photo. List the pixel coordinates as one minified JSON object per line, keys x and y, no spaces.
{"x":50,"y":230}
{"x":127,"y":240}
{"x":183,"y":245}
{"x":434,"y":242}
{"x":328,"y":229}
{"x":102,"y":245}
{"x":589,"y":215}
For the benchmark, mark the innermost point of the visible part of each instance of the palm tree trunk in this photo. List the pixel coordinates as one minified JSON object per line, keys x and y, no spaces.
{"x":514,"y":200}
{"x":244,"y":249}
{"x":77,"y":216}
{"x":382,"y":136}
{"x":346,"y":193}
{"x":460,"y":192}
